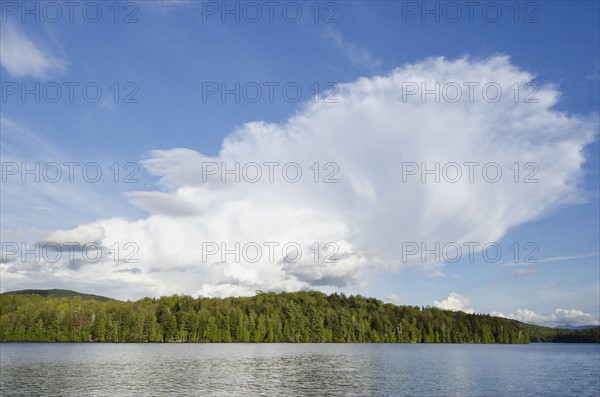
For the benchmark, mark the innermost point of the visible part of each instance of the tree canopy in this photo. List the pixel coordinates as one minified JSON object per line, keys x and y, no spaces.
{"x":266,"y":317}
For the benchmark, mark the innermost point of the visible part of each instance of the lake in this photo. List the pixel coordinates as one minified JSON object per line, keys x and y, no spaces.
{"x":57,"y":369}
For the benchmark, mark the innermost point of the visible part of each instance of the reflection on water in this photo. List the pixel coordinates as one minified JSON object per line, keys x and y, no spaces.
{"x":299,"y":369}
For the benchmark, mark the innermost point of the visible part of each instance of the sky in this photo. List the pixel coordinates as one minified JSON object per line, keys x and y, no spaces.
{"x":424,"y":153}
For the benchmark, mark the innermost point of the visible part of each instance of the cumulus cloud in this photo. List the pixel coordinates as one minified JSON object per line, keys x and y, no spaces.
{"x":559,"y":317}
{"x":355,"y":225}
{"x":82,"y":235}
{"x":21,"y":57}
{"x":454,"y":302}
{"x":393,"y":298}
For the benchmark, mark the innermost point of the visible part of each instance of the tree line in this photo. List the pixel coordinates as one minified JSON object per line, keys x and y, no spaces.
{"x":266,"y":317}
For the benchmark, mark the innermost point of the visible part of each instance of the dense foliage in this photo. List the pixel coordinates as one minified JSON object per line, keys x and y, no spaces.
{"x":266,"y":317}
{"x":558,"y":335}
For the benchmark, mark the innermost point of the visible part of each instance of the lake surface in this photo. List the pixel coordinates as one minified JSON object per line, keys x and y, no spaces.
{"x":56,"y":369}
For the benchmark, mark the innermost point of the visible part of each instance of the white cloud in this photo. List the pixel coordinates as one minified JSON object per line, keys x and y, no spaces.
{"x":83,"y":234}
{"x":393,"y":298}
{"x":31,"y":200}
{"x":356,"y":54}
{"x":162,"y":203}
{"x":525,"y":272}
{"x":557,"y":318}
{"x":566,"y":257}
{"x":368,"y":134}
{"x":551,"y":259}
{"x":454,"y":302}
{"x":21,"y":57}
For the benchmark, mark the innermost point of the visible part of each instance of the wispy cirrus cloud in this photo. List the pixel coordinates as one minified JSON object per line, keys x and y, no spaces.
{"x":32,"y":201}
{"x":551,"y":259}
{"x":357,"y":55}
{"x":20,"y":56}
{"x":525,"y":272}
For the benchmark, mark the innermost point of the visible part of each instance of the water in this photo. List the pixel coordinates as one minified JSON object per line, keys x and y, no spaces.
{"x":29,"y":369}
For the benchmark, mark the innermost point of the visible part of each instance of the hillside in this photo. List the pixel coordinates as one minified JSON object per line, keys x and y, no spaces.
{"x":266,"y":317}
{"x":57,"y":293}
{"x":563,"y":335}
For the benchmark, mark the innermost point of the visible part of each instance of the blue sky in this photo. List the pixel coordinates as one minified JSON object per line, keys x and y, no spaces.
{"x":167,"y":125}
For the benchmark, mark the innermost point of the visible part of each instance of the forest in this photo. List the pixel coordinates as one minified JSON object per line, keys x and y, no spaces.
{"x":66,"y":316}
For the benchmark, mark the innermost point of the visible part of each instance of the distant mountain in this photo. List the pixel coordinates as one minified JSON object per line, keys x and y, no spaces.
{"x":57,"y":293}
{"x":562,"y":334}
{"x":569,"y":326}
